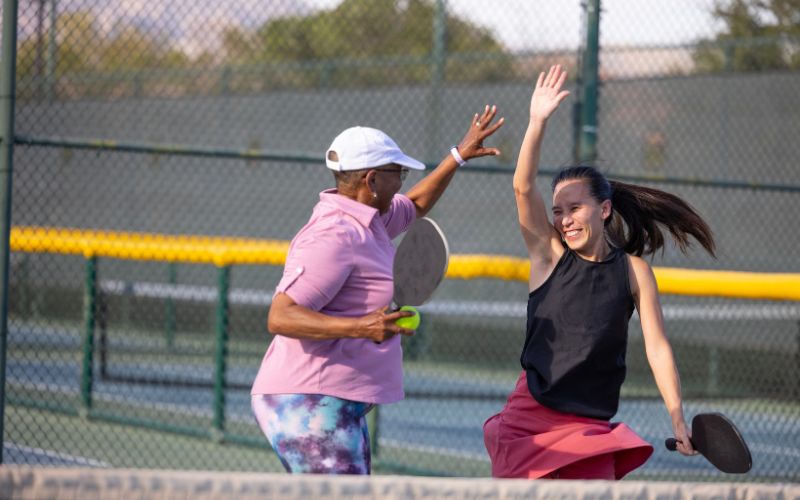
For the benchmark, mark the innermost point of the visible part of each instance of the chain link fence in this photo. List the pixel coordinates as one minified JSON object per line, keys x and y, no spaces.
{"x":147,"y":137}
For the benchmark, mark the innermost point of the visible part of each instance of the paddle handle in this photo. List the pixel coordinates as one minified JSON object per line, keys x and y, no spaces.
{"x":672,"y":444}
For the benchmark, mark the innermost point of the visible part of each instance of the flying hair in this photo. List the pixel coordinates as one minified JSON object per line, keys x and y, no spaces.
{"x":640,"y":214}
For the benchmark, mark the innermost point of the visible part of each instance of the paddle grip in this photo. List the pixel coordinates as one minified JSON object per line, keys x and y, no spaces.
{"x":671,"y":444}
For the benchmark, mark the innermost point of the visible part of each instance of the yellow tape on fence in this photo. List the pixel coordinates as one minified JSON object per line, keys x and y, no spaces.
{"x":735,"y":284}
{"x":222,"y":251}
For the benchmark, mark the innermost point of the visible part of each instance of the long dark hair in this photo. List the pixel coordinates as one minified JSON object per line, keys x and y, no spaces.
{"x":638,"y":214}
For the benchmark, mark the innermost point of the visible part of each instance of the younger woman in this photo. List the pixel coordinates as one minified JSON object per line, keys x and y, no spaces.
{"x":586,"y":277}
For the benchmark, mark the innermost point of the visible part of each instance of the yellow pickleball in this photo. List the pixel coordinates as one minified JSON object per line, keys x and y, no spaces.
{"x":411,"y":322}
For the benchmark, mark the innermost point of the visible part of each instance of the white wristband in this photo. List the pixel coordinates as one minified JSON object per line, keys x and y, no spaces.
{"x":457,"y":157}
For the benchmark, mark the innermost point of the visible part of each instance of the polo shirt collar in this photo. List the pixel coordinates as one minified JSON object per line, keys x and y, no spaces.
{"x":359,"y":211}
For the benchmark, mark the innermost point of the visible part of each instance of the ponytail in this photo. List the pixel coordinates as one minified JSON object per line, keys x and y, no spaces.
{"x":645,"y":211}
{"x":639,"y":213}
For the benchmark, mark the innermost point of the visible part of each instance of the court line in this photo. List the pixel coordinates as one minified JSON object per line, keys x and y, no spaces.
{"x":51,"y":454}
{"x":448,"y":452}
{"x":511,"y":309}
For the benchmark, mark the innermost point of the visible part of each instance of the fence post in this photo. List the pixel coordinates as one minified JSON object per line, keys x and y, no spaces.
{"x":438,"y":61}
{"x":52,"y":44}
{"x":587,"y":134}
{"x":8,"y":76}
{"x":89,"y":310}
{"x":221,"y":352}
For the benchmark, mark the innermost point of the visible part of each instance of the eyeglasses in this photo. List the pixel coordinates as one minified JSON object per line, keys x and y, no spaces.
{"x":402,"y":171}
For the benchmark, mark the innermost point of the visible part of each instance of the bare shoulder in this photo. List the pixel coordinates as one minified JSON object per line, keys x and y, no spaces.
{"x":641,"y":274}
{"x":639,"y":265}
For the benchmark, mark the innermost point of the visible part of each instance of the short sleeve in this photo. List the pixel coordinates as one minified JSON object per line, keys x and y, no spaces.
{"x":400,"y":215}
{"x":317,"y":267}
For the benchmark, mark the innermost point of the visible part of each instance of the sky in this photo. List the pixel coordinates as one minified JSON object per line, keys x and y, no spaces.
{"x":558,"y":23}
{"x":519,"y":24}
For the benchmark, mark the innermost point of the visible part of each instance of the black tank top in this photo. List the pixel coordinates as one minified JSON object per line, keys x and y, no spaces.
{"x":577,"y":335}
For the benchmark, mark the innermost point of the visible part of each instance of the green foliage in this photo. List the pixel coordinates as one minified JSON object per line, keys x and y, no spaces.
{"x":81,"y":49}
{"x":759,"y":35}
{"x":352,"y":45}
{"x":359,"y":43}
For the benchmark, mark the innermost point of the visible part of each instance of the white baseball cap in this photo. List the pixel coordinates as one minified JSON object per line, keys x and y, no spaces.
{"x":358,"y":148}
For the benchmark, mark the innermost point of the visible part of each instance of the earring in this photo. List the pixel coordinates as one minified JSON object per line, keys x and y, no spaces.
{"x":374,"y":195}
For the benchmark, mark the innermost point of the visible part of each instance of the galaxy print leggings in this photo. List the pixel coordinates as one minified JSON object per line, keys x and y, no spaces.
{"x":314,"y":433}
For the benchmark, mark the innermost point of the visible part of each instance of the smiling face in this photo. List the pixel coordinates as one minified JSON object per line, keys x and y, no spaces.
{"x":580,"y":218}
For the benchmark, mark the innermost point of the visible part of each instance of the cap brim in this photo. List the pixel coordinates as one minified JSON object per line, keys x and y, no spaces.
{"x":407,"y":161}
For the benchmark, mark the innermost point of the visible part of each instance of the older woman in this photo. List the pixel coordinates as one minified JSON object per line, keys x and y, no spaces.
{"x":336,"y":350}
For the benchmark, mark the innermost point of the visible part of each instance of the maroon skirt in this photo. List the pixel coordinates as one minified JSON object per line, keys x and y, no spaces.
{"x":528,"y":440}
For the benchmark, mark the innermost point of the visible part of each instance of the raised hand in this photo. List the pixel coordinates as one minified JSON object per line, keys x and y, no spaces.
{"x":548,"y":94}
{"x":471,"y":146}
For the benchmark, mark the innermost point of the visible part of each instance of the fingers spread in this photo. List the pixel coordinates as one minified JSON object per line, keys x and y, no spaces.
{"x":491,"y":130}
{"x":490,"y":152}
{"x":561,"y":79}
{"x":552,"y":76}
{"x":488,"y":114}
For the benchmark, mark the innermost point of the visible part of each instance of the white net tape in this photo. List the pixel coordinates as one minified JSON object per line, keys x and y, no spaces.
{"x":18,"y":482}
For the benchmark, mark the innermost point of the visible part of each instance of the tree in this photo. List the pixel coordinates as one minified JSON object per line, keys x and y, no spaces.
{"x":82,"y":53}
{"x":132,"y":48}
{"x":365,"y":42}
{"x":755,"y":37}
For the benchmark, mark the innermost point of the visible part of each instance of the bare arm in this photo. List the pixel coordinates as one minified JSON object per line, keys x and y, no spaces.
{"x":290,"y":319}
{"x":541,"y":239}
{"x":658,"y":349}
{"x":427,"y":192}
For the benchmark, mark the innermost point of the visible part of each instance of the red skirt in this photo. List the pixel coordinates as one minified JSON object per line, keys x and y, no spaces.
{"x":528,"y":440}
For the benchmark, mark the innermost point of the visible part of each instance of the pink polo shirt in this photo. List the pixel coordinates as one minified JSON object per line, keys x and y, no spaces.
{"x":340,"y":264}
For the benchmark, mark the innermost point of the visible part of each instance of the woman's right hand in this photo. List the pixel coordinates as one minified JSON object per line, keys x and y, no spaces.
{"x":683,"y":439}
{"x":471,"y":146}
{"x":380,"y":325}
{"x":547,"y":94}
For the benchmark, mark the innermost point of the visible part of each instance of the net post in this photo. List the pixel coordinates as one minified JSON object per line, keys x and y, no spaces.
{"x":372,"y":427}
{"x":101,"y":320}
{"x":221,"y":350}
{"x":797,"y":364}
{"x":169,"y":313}
{"x":713,"y":371}
{"x":89,"y":311}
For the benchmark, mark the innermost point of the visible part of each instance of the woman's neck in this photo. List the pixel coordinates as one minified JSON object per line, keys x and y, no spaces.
{"x":598,"y":253}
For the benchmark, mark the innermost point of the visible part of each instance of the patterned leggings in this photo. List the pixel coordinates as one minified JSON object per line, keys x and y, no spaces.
{"x":314,"y":433}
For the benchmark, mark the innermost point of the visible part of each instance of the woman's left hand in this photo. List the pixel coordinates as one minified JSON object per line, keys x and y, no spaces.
{"x":471,"y":145}
{"x":684,"y":444}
